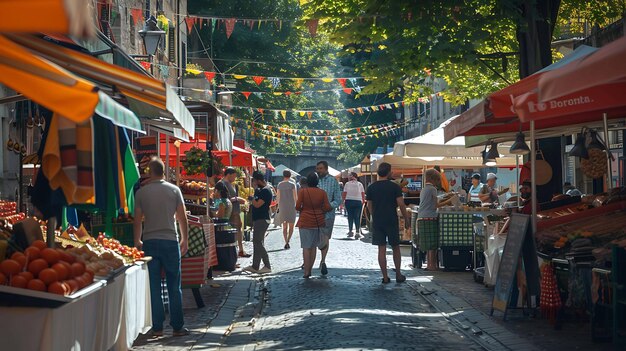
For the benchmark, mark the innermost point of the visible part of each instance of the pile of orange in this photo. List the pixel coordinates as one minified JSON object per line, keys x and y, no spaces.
{"x":45,"y":269}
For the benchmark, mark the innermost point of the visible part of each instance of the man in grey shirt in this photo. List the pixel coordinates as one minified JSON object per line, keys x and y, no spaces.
{"x":156,"y":205}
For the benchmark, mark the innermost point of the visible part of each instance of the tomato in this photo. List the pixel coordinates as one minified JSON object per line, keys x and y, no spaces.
{"x":18,"y":281}
{"x":20,"y":258}
{"x":9,"y":267}
{"x":37,"y":266}
{"x":3,"y":279}
{"x":36,"y":285}
{"x":58,"y":288}
{"x":32,"y":253}
{"x":40,"y":244}
{"x":27,"y":275}
{"x":78,"y":268}
{"x":61,"y":270}
{"x":73,"y":285}
{"x":48,"y":276}
{"x":50,"y":255}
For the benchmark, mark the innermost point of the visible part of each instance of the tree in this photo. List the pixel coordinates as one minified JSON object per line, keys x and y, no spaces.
{"x":477,"y":46}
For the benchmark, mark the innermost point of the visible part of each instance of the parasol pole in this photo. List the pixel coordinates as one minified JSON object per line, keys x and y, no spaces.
{"x":167,"y":156}
{"x":177,"y":145}
{"x":608,"y":151}
{"x":517,"y":179}
{"x":533,"y":176}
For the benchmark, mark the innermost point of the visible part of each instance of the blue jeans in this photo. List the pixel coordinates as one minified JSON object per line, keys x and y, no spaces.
{"x":353,"y":207}
{"x":165,"y":256}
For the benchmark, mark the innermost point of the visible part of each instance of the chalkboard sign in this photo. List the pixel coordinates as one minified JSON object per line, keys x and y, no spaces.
{"x":519,"y":241}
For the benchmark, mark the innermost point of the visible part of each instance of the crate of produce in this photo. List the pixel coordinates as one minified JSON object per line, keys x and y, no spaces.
{"x":456,"y":229}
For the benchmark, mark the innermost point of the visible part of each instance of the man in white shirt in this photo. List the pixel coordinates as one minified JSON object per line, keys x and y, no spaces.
{"x":354,"y":197}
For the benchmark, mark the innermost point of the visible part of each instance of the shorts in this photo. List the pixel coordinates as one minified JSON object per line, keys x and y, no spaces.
{"x":309,"y":237}
{"x":327,"y":229}
{"x":235,"y":221}
{"x":391,"y":234}
{"x":428,"y":234}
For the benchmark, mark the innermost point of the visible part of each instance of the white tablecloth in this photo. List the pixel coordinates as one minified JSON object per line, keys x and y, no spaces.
{"x":109,"y":318}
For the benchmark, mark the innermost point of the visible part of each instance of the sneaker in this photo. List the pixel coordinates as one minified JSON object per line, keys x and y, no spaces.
{"x":323,"y":268}
{"x":358,"y":236}
{"x":264,"y":270}
{"x":181,"y":332}
{"x":287,"y":247}
{"x":350,"y":234}
{"x":156,"y":334}
{"x":251,"y":269}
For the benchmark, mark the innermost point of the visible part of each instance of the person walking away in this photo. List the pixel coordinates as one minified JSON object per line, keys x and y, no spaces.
{"x":383,"y":198}
{"x":222,"y":207}
{"x":260,"y":206}
{"x":156,"y":204}
{"x":230,"y":176}
{"x":312,"y":203}
{"x":330,"y":185}
{"x":427,"y":220}
{"x":488,"y":193}
{"x":354,"y":197}
{"x":286,"y":197}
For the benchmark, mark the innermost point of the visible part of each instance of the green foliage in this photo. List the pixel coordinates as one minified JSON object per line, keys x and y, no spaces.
{"x":198,"y":161}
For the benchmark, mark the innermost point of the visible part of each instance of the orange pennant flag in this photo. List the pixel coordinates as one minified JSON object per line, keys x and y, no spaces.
{"x":246,"y":94}
{"x":209,"y":76}
{"x":230,"y":26}
{"x":258,"y":79}
{"x":347,"y":91}
{"x":342,"y":81}
{"x":190,"y":22}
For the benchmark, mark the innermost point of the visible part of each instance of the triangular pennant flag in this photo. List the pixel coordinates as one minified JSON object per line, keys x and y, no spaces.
{"x":360,"y":110}
{"x":260,"y":110}
{"x":258,"y":80}
{"x":301,"y":113}
{"x":137,"y":15}
{"x":298,"y":82}
{"x":342,"y":81}
{"x":145,"y":65}
{"x":287,"y":93}
{"x":209,"y":76}
{"x":193,"y":71}
{"x":310,"y":114}
{"x":330,"y":112}
{"x":347,"y":91}
{"x":388,"y":106}
{"x":403,"y":101}
{"x":284,"y":114}
{"x":280,"y":25}
{"x":252,"y":24}
{"x":298,"y":92}
{"x":358,"y":130}
{"x":327,"y":80}
{"x":277,"y":93}
{"x":396,"y":105}
{"x":239,"y":76}
{"x":351,"y":110}
{"x":367,"y":109}
{"x":374,"y":108}
{"x":230,"y":26}
{"x":246,"y":94}
{"x":190,"y":22}
{"x":312,"y":24}
{"x":258,"y":94}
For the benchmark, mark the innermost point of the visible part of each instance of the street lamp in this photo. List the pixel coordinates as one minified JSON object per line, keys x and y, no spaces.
{"x":151,"y":36}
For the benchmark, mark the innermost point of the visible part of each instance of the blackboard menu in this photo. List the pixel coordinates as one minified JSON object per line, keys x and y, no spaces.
{"x":519,"y":242}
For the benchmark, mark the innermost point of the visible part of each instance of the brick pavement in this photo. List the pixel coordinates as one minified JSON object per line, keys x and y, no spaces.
{"x":350,"y":309}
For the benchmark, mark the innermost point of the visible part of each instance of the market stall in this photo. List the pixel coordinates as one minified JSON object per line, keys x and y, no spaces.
{"x":577,"y":240}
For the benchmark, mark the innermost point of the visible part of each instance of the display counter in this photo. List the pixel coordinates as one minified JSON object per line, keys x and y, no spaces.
{"x":109,"y":318}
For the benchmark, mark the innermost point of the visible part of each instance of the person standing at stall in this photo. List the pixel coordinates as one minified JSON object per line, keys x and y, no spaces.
{"x":230,"y":177}
{"x":383,"y":198}
{"x":353,"y":197}
{"x":286,"y":197}
{"x":427,"y":219}
{"x":312,"y":204}
{"x":330,"y":185}
{"x":474,"y":191}
{"x":488,"y":193}
{"x":156,"y":204}
{"x":260,"y":206}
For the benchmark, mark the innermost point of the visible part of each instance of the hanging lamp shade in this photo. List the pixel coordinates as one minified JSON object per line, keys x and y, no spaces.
{"x":579,"y":149}
{"x":493,"y":153}
{"x":595,"y":141}
{"x":519,"y":147}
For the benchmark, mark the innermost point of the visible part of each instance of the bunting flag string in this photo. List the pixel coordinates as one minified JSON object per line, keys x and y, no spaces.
{"x":353,"y":110}
{"x":259,"y":94}
{"x":273,"y":80}
{"x":374,"y":128}
{"x":283,"y":135}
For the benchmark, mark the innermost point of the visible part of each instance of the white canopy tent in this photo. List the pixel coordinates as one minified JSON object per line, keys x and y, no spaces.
{"x":333,"y":172}
{"x":405,"y":162}
{"x":278,"y":171}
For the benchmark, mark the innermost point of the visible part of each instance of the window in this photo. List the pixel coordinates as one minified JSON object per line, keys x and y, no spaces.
{"x":171,"y":44}
{"x":133,"y":31}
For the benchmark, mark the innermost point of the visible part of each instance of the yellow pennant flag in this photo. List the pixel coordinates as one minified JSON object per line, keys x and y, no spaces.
{"x":239,"y":76}
{"x":330,"y":112}
{"x":298,"y":82}
{"x":327,"y":80}
{"x":301,"y":113}
{"x":284,"y":114}
{"x":193,"y":71}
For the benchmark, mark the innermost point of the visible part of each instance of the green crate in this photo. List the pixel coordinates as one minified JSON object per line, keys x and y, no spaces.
{"x":456,"y":229}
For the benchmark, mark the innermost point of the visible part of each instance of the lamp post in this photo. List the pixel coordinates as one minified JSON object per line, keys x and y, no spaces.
{"x":366,"y":167}
{"x":151,"y":36}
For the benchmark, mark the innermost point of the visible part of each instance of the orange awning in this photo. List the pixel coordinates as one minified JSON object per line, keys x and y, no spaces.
{"x":46,"y":83}
{"x":56,"y":16}
{"x":170,"y":110}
